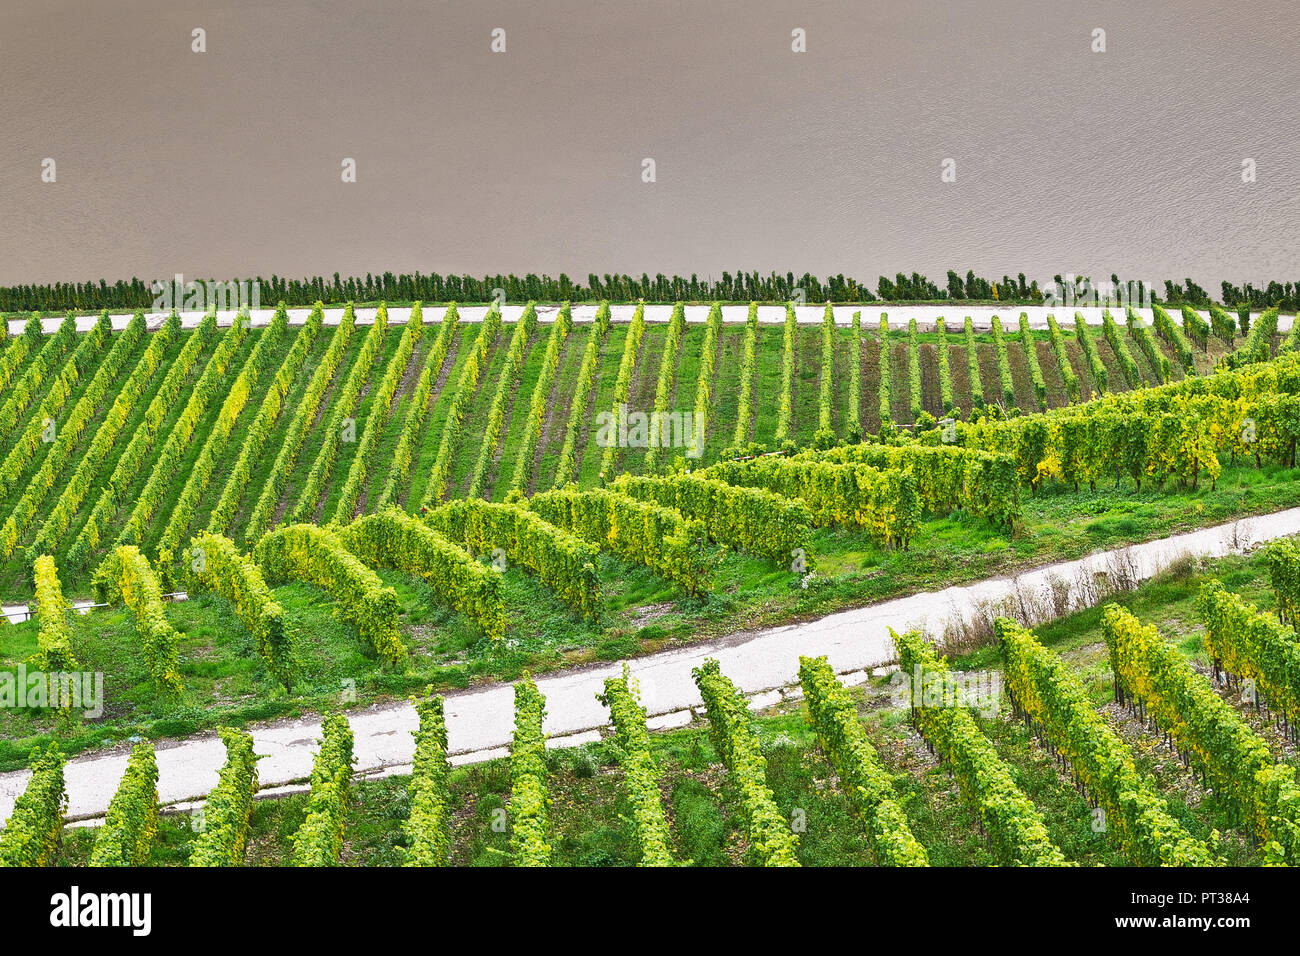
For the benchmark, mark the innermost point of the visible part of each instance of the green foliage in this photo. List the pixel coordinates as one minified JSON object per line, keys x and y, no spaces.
{"x":1235,"y":761}
{"x":746,"y":519}
{"x":377,"y":417}
{"x":914,"y":384}
{"x":427,"y":828}
{"x":214,"y":565}
{"x":786,"y":398}
{"x":1119,"y":345}
{"x":886,"y":375}
{"x":1016,"y":832}
{"x":862,"y":776}
{"x":1146,"y":340}
{"x":973,"y":364}
{"x":20,"y":395}
{"x":945,"y":372}
{"x":1053,"y":702}
{"x":882,"y":501}
{"x":341,"y":422}
{"x":223,"y":513}
{"x":397,"y":470}
{"x":1222,"y":324}
{"x":770,"y":841}
{"x":1068,"y":378}
{"x":1004,"y":365}
{"x":530,"y":801}
{"x":667,"y":372}
{"x":78,"y":487}
{"x":393,"y":539}
{"x":1194,"y":327}
{"x":541,"y":400}
{"x":563,"y":562}
{"x":587,"y":375}
{"x":319,"y":840}
{"x":35,"y":827}
{"x":11,"y":359}
{"x":162,"y":467}
{"x":259,"y":519}
{"x":825,"y":435}
{"x":639,"y":532}
{"x":641,"y":773}
{"x":466,"y":383}
{"x":127,"y":834}
{"x":623,"y":384}
{"x":241,"y":390}
{"x":1259,"y":341}
{"x":126,"y":577}
{"x":853,"y":418}
{"x":524,"y":329}
{"x":54,"y":635}
{"x":948,"y":477}
{"x":136,"y":458}
{"x":68,"y":436}
{"x":303,"y":552}
{"x":229,"y":805}
{"x":1031,"y":359}
{"x":1284,"y":574}
{"x":1096,"y":368}
{"x":1249,"y":644}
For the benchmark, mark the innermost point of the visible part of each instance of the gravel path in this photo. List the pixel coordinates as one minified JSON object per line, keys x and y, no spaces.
{"x":584,"y":312}
{"x":762,"y":663}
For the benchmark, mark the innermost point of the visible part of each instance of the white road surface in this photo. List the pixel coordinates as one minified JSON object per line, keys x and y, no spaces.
{"x":982,"y":316}
{"x":479,"y":721}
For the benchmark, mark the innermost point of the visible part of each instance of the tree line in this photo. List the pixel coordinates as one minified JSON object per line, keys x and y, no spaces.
{"x":729,"y":287}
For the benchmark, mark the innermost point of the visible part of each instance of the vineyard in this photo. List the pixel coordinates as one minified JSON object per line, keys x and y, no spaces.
{"x":248,"y":519}
{"x":1120,"y":735}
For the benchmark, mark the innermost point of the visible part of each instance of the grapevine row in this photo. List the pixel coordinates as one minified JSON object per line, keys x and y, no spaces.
{"x":1168,"y":330}
{"x":319,"y":841}
{"x":1005,"y":381}
{"x":1053,"y":702}
{"x":53,"y":635}
{"x":377,"y":416}
{"x":1068,"y":378}
{"x":825,"y":435}
{"x":973,"y":364}
{"x":945,"y":370}
{"x":418,"y":409}
{"x":427,"y":827}
{"x":1146,"y":340}
{"x":126,"y":836}
{"x":863,"y":778}
{"x":640,"y":772}
{"x":304,"y":552}
{"x":786,"y":398}
{"x":515,"y":353}
{"x":341,"y":424}
{"x":530,"y":801}
{"x":667,"y":372}
{"x":1031,"y":359}
{"x":562,"y":561}
{"x":137,"y":455}
{"x":227,"y":810}
{"x":566,"y":468}
{"x":1096,"y":368}
{"x":1154,"y":675}
{"x":214,"y":565}
{"x":639,"y":532}
{"x":393,"y":539}
{"x":110,"y":429}
{"x":1119,"y":345}
{"x":259,"y":433}
{"x":466,"y":383}
{"x":541,"y":400}
{"x":914,"y":382}
{"x":623,"y":384}
{"x":1016,"y":832}
{"x":751,"y":520}
{"x":259,"y":520}
{"x":125,"y":576}
{"x":770,"y":841}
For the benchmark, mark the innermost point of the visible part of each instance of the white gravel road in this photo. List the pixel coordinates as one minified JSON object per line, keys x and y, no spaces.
{"x":479,"y":721}
{"x":982,"y":316}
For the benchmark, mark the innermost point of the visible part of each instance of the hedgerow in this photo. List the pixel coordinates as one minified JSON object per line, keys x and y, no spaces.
{"x":303,"y":552}
{"x":770,"y":841}
{"x":393,"y":539}
{"x":125,"y":576}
